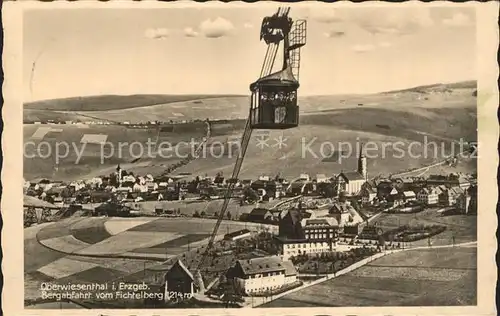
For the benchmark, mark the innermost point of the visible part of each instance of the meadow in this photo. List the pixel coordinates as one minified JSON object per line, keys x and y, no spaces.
{"x":462,"y":227}
{"x":429,"y":277}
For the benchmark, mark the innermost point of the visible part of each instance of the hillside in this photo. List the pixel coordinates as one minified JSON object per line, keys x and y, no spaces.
{"x":232,"y":107}
{"x":113,"y":102}
{"x":327,"y":129}
{"x":439,"y":87}
{"x":334,"y":132}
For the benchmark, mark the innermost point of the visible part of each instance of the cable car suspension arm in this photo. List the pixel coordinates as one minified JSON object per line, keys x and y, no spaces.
{"x":229,"y":192}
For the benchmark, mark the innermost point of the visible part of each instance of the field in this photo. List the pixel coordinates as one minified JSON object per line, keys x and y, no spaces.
{"x":430,"y":277}
{"x":56,"y":252}
{"x":79,"y":159}
{"x":188,"y":208}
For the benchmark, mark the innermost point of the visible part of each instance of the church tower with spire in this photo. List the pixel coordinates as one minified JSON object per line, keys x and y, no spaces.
{"x":362,"y":168}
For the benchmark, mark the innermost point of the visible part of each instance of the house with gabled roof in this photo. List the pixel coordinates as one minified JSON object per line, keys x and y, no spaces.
{"x":466,"y":202}
{"x":260,"y":215}
{"x":428,"y":196}
{"x":368,"y":194}
{"x":179,"y":279}
{"x":240,"y":234}
{"x":409,"y":196}
{"x":345,"y":214}
{"x":449,"y":196}
{"x":351,"y":182}
{"x":261,"y":275}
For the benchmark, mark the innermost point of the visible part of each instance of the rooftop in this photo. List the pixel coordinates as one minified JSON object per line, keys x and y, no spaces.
{"x":266,"y":264}
{"x":352,"y":175}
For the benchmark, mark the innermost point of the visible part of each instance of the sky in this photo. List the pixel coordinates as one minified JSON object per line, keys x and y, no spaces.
{"x":216,"y":50}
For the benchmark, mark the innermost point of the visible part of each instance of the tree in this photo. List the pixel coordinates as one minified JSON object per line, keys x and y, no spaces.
{"x":327,"y":190}
{"x":250,"y":195}
{"x":229,"y":216}
{"x":230,"y":294}
{"x":390,"y":237}
{"x":196,"y":214}
{"x":203,"y":213}
{"x":342,"y":197}
{"x":381,"y":241}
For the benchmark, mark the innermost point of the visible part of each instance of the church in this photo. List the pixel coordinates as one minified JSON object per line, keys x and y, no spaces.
{"x":351,"y":182}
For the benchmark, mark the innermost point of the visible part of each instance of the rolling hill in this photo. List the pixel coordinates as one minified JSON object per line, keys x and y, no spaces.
{"x":141,"y":108}
{"x":113,"y":102}
{"x":439,"y":87}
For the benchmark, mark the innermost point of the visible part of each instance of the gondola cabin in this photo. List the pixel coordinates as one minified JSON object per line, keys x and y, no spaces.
{"x":274,"y":101}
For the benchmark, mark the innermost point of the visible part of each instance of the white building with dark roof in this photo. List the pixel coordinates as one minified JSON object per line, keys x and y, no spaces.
{"x":299,"y":236}
{"x":261,"y":275}
{"x":240,"y":234}
{"x":409,"y":196}
{"x":351,"y":182}
{"x":428,"y":196}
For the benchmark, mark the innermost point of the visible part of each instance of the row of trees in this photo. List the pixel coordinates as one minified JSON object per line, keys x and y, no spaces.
{"x":198,"y":214}
{"x":356,"y":253}
{"x":331,"y":261}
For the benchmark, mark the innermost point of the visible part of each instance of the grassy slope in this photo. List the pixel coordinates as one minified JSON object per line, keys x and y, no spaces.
{"x":352,"y":126}
{"x":454,"y":270}
{"x":112,"y":102}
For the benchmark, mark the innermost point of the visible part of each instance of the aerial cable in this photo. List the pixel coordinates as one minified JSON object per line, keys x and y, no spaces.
{"x":33,"y":66}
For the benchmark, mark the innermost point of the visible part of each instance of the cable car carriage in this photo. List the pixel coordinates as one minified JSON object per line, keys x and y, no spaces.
{"x":274,"y":96}
{"x":274,"y":101}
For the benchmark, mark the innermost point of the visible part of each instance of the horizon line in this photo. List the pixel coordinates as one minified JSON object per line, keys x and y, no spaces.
{"x":245,"y":95}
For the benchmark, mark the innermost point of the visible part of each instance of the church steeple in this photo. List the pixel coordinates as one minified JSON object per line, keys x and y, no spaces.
{"x":362,"y":168}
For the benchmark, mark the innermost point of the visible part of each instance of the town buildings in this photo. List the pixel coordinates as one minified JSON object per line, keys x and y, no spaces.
{"x":451,"y":180}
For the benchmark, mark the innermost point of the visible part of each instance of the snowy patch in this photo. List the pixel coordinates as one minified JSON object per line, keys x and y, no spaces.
{"x":65,"y":267}
{"x":118,"y":225}
{"x":94,"y":139}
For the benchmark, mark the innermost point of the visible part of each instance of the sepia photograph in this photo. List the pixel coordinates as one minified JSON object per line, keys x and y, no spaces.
{"x":252,"y":156}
